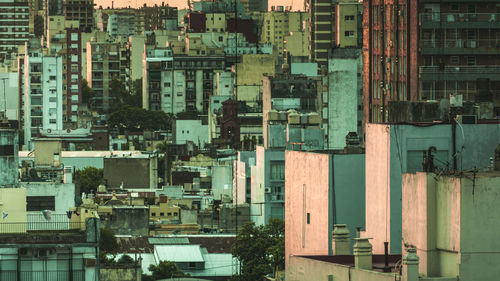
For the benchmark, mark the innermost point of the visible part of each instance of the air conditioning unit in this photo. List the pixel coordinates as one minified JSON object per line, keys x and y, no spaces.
{"x":24,"y":252}
{"x":267,"y":190}
{"x":467,"y":119}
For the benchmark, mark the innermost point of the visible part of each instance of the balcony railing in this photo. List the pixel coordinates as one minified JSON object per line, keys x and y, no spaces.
{"x":460,"y":17}
{"x":461,"y":69}
{"x":461,"y":43}
{"x":36,"y":222}
{"x":59,"y":275}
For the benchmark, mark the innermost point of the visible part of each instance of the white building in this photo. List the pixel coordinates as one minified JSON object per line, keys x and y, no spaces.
{"x":9,"y":97}
{"x":191,"y":130}
{"x":121,"y":24}
{"x":43,"y":94}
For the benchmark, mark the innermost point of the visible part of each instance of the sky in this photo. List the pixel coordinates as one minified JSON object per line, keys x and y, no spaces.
{"x":297,"y":4}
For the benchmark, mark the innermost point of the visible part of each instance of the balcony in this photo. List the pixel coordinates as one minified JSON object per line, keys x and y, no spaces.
{"x":461,"y":47}
{"x":460,"y":72}
{"x":62,"y":275}
{"x":460,"y":20}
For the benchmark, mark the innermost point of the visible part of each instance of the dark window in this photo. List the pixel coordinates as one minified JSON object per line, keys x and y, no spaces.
{"x":162,"y":214}
{"x":39,"y":203}
{"x":192,"y":265}
{"x":7,"y":150}
{"x":308,"y":218}
{"x":153,"y":214}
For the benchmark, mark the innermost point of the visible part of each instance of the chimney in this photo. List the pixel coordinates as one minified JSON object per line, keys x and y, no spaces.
{"x":341,"y":240}
{"x":410,"y":265}
{"x":363,"y":253}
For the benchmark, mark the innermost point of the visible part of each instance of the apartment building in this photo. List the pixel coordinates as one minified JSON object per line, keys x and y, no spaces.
{"x":64,"y":38}
{"x":321,"y":29}
{"x":121,"y":23}
{"x":42,"y":91}
{"x":429,"y":50}
{"x":14,"y":25}
{"x":80,"y":10}
{"x":106,"y":60}
{"x":279,"y":23}
{"x":254,"y":5}
{"x":177,"y":84}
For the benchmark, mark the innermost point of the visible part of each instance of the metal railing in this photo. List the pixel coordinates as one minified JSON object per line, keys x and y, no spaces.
{"x":36,"y":222}
{"x":50,"y":275}
{"x":460,"y":69}
{"x":461,"y":43}
{"x":459,"y":17}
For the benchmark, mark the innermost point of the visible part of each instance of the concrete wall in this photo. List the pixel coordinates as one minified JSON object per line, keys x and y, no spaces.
{"x":128,"y":220}
{"x":45,"y":150}
{"x":222,"y":181}
{"x":123,"y":273}
{"x":14,"y":204}
{"x":305,"y":269}
{"x":9,"y":175}
{"x":344,"y":96}
{"x":133,"y":172}
{"x":479,"y":228}
{"x":242,"y":176}
{"x":349,"y":188}
{"x":377,"y":191}
{"x":64,"y":193}
{"x":308,"y":190}
{"x":191,"y":130}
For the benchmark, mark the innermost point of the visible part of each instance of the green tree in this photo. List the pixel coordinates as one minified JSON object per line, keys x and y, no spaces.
{"x":87,"y":93}
{"x":164,"y":270}
{"x":131,"y":118}
{"x":89,"y":179}
{"x":108,"y":245}
{"x":108,"y":242}
{"x":125,"y":260}
{"x":260,"y":249}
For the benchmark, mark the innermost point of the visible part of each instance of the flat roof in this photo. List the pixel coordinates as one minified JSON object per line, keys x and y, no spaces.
{"x":179,"y":253}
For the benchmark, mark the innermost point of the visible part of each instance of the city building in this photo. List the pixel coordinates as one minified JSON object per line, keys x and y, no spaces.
{"x":392,"y":150}
{"x":14,"y":24}
{"x":64,"y":39}
{"x":138,"y":171}
{"x":9,"y":99}
{"x":428,"y":51}
{"x":121,"y":23}
{"x":107,"y":60}
{"x":180,"y":83}
{"x":42,"y":91}
{"x":345,"y":96}
{"x":444,"y":219}
{"x":322,"y":190}
{"x":80,"y":10}
{"x":254,"y":5}
{"x":279,"y":23}
{"x":321,"y":29}
{"x":9,"y":143}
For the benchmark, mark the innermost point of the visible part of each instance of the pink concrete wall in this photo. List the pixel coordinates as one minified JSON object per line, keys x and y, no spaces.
{"x":416,"y":219}
{"x":239,"y":182}
{"x":306,"y":191}
{"x":377,"y":185}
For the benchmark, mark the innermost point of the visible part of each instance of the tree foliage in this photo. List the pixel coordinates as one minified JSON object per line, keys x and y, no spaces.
{"x":260,"y":249}
{"x":108,"y":243}
{"x":125,"y":260}
{"x":164,"y":270}
{"x":87,"y":92}
{"x":124,"y":97}
{"x":131,"y":118}
{"x":89,"y":179}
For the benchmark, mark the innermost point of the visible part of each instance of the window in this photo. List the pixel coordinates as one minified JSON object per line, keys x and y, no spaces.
{"x":471,"y":60}
{"x":175,"y":214}
{"x":153,"y":214}
{"x":308,"y":218}
{"x":6,"y":150}
{"x":162,"y":214}
{"x":52,"y":77}
{"x":454,"y":60}
{"x":39,"y":203}
{"x":277,"y":171}
{"x":349,"y":18}
{"x":166,"y":84}
{"x":349,"y":33}
{"x":169,"y":214}
{"x":192,"y":264}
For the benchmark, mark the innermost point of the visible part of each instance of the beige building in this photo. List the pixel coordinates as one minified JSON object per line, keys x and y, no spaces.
{"x":279,"y":23}
{"x":250,"y":71}
{"x":348,"y":23}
